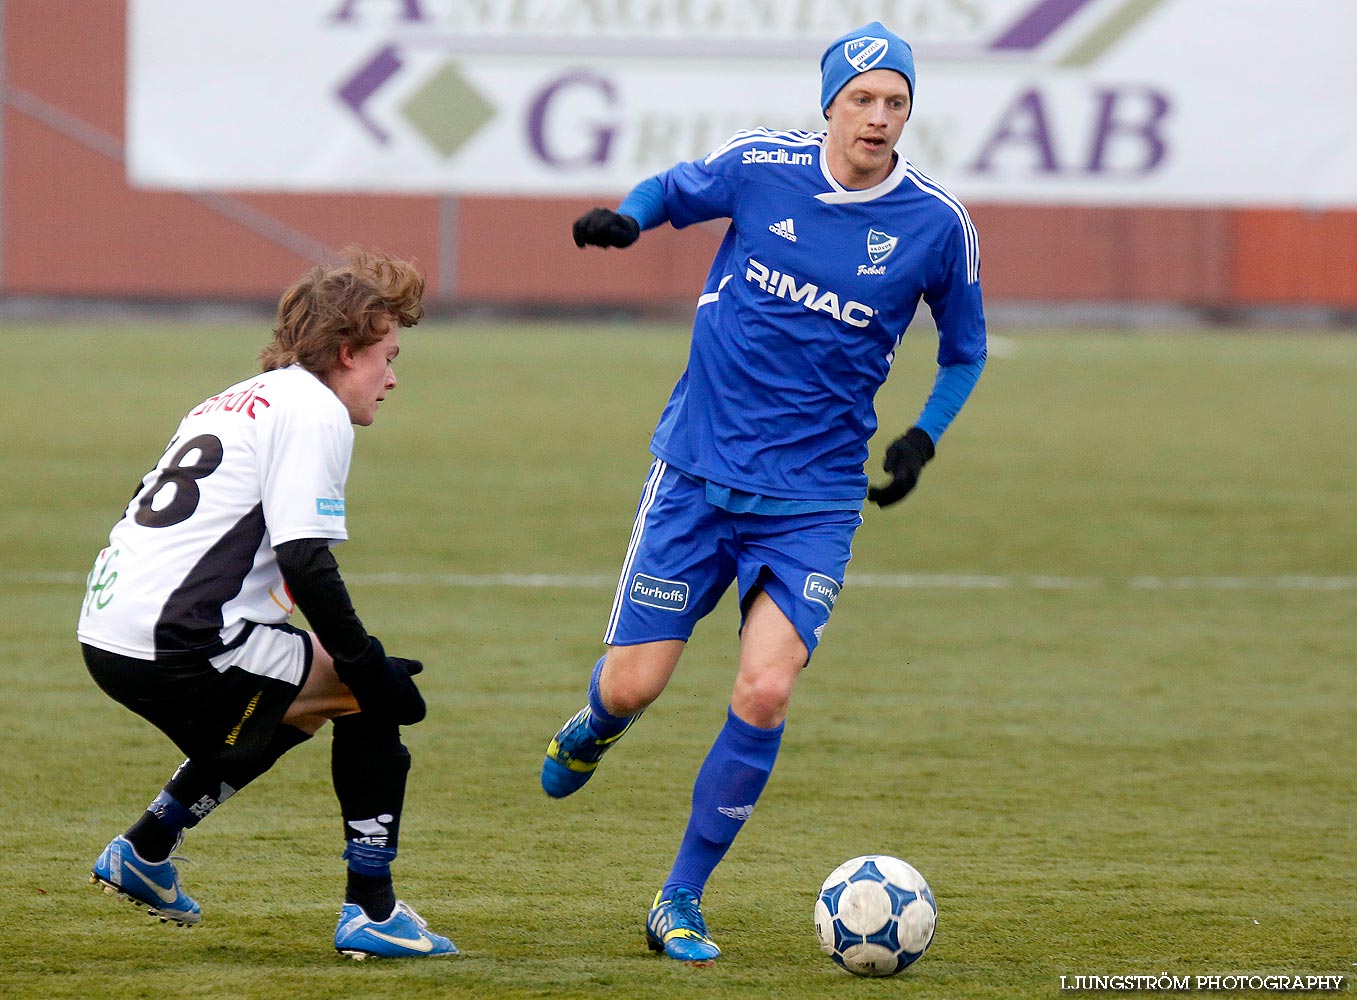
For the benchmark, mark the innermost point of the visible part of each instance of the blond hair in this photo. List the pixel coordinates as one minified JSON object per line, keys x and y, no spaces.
{"x":342,"y":304}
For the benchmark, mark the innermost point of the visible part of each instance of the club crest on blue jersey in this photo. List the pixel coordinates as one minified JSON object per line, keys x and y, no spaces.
{"x":865,"y":52}
{"x":880,"y":245}
{"x":667,"y":595}
{"x":821,"y":589}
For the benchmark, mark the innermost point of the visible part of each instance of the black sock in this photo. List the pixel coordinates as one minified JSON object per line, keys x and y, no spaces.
{"x":374,"y":893}
{"x":152,"y":839}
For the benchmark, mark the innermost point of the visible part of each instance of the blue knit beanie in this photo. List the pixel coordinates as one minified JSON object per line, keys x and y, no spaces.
{"x":871,"y":47}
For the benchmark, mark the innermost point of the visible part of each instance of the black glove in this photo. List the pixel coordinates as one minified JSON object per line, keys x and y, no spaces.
{"x":382,"y":684}
{"x":602,"y":227}
{"x":905,"y":459}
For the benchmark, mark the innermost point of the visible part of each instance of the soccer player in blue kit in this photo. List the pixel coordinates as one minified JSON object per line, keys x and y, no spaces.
{"x":759,"y":454}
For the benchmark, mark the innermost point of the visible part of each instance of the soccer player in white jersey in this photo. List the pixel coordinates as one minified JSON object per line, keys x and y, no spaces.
{"x":758,"y":478}
{"x":185,"y":619}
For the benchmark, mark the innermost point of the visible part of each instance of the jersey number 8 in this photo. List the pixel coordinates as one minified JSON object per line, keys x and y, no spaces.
{"x":184,"y":478}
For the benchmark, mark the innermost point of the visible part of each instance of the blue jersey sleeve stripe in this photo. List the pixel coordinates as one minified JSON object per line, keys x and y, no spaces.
{"x":972,"y":238}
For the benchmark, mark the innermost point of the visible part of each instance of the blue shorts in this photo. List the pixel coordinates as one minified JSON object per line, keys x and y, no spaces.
{"x":685,"y":552}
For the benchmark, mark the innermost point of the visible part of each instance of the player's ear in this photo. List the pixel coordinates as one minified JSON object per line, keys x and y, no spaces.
{"x":345,"y":359}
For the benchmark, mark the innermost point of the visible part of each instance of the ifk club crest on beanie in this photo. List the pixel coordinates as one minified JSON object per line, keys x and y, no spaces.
{"x":873,"y":46}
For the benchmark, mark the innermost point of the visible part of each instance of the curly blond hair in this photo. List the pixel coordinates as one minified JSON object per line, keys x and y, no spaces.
{"x":343,"y":304}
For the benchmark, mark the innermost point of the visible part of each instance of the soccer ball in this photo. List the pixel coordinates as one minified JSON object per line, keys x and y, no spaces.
{"x":875,"y":915}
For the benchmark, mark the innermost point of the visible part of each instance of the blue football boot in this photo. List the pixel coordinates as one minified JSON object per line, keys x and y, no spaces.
{"x":675,"y":927}
{"x":152,"y":884}
{"x":574,"y":753}
{"x":404,"y":934}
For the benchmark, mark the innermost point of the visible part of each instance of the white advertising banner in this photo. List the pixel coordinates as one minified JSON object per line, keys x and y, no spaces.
{"x":1192,"y":102}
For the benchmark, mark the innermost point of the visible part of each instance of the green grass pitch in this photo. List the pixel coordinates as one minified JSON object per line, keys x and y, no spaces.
{"x":1095,"y":679}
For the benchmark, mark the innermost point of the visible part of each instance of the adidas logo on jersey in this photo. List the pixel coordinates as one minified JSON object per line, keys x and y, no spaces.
{"x":786,"y":229}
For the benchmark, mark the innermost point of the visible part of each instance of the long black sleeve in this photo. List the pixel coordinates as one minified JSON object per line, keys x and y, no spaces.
{"x":312,"y":576}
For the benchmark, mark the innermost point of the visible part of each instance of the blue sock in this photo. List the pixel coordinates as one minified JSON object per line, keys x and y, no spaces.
{"x":171,"y":812}
{"x":728,"y":785}
{"x":368,"y":859}
{"x":602,"y":723}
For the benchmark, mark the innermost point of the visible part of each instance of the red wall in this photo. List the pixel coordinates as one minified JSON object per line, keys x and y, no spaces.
{"x":70,"y":225}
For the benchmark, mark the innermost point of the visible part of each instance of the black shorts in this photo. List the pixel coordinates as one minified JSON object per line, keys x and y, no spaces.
{"x":228,"y":716}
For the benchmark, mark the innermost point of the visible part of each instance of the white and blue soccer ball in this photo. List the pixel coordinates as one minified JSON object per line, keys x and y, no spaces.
{"x":875,"y":915}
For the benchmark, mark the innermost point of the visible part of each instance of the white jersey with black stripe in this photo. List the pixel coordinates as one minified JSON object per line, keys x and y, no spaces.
{"x":191,"y":562}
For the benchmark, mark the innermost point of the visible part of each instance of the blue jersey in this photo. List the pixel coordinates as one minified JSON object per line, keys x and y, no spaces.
{"x":806,"y":302}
